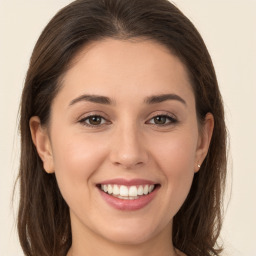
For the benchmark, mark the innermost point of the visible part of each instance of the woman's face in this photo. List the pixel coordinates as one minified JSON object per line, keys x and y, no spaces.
{"x":125,"y":122}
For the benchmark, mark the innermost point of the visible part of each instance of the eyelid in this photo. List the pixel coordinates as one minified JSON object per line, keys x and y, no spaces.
{"x":163,"y":113}
{"x":92,"y":113}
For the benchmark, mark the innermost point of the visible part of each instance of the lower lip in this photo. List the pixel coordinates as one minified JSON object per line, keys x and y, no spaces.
{"x":127,"y":204}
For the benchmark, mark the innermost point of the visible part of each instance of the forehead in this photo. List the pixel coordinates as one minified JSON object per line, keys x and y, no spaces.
{"x":126,"y":68}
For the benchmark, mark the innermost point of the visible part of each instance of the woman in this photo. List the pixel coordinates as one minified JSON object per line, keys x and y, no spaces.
{"x":123,"y":140}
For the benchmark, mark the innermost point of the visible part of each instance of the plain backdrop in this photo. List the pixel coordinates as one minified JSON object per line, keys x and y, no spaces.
{"x":229,"y":30}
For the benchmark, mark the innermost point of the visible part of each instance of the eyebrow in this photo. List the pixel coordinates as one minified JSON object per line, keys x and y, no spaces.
{"x":107,"y":101}
{"x":92,"y":98}
{"x":164,"y":97}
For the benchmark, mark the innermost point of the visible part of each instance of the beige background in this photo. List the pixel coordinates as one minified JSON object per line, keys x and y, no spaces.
{"x":229,"y":30}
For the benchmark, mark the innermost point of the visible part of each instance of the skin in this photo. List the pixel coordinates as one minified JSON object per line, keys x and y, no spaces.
{"x":126,"y":143}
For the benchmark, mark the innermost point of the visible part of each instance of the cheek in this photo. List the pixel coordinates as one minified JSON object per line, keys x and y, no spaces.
{"x":176,"y":153}
{"x":175,"y":157}
{"x":75,"y":161}
{"x":77,"y":154}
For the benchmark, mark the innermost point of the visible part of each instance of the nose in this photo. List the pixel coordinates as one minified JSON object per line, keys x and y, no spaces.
{"x":128,"y":149}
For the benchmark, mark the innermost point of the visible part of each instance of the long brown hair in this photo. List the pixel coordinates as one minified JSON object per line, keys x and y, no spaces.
{"x":43,"y":220}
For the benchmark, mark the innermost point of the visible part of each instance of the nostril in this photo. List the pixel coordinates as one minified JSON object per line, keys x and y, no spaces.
{"x":128,"y":154}
{"x":126,"y":164}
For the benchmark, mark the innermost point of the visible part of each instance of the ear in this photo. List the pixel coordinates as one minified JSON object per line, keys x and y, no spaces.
{"x":204,"y":140}
{"x":42,"y":143}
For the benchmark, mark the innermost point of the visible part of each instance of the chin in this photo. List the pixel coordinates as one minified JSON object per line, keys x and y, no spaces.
{"x":131,"y":233}
{"x":130,"y":237}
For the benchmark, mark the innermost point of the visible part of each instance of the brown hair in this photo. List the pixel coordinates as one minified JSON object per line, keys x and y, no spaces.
{"x":43,"y":219}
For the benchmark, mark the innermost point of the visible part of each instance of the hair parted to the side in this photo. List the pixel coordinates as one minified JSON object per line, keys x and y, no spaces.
{"x":43,"y":222}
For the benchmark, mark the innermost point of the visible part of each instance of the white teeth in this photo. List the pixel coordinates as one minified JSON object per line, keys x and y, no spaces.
{"x":128,"y":197}
{"x":124,"y":191}
{"x":127,"y":192}
{"x":116,"y":190}
{"x":145,"y":190}
{"x":140,"y":190}
{"x":110,"y":189}
{"x":133,"y":191}
{"x":150,"y":189}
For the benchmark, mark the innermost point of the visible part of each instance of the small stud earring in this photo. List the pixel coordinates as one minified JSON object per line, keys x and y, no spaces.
{"x":198,"y":165}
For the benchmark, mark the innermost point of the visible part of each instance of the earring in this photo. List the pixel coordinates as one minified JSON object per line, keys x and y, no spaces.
{"x":198,"y":165}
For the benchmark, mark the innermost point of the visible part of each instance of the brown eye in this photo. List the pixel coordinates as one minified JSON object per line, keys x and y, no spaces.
{"x":160,"y":119}
{"x":93,"y":121}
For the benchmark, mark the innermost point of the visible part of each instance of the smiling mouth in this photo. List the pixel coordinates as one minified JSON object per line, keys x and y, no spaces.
{"x":127,"y":192}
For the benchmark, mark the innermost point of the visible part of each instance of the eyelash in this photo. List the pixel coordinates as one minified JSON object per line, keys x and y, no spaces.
{"x":171,"y":120}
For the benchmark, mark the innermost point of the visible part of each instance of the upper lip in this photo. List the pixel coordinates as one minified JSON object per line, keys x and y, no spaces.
{"x":128,"y":182}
